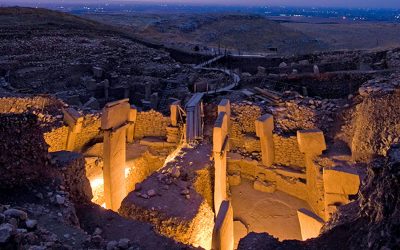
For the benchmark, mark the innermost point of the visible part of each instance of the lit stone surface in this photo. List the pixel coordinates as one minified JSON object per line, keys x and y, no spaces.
{"x":220,"y":140}
{"x":115,"y":116}
{"x":264,"y":127}
{"x":174,"y":109}
{"x":74,"y":120}
{"x":132,"y":122}
{"x":310,"y":224}
{"x":240,"y":231}
{"x":275,"y":213}
{"x":341,"y":182}
{"x":223,"y":237}
{"x":311,"y":141}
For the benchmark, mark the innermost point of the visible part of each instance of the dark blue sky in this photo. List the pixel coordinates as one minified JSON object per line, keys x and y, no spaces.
{"x":315,"y":3}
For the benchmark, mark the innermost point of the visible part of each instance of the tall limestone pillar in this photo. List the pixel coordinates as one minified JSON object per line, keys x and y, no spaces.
{"x":311,"y":143}
{"x":114,"y":125}
{"x":223,"y":234}
{"x":74,"y":120}
{"x":264,"y":128}
{"x":220,"y":150}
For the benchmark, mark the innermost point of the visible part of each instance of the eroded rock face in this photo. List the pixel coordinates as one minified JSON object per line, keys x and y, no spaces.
{"x":376,"y":124}
{"x":72,"y":173}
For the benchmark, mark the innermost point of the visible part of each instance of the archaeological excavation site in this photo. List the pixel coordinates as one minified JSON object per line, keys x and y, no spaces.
{"x":110,"y":142}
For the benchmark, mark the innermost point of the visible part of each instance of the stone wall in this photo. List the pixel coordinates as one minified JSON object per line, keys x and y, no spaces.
{"x":243,"y":128}
{"x":90,"y":131}
{"x":287,"y":152}
{"x":151,"y":123}
{"x":56,"y":138}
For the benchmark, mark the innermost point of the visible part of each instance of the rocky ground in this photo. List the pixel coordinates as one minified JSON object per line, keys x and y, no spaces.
{"x":76,"y":59}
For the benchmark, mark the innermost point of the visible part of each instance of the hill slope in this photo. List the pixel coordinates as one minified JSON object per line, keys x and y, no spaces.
{"x":247,"y":33}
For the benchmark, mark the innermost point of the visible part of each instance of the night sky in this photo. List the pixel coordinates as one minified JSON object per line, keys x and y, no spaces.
{"x":306,"y":3}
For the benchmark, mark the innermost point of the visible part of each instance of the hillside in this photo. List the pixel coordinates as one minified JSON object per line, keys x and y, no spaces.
{"x":247,"y":33}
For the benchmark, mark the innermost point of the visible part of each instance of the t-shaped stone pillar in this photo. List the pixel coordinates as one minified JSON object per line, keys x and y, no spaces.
{"x":220,"y":148}
{"x":132,"y":122}
{"x":223,"y":238}
{"x":113,"y":123}
{"x":312,"y":142}
{"x":74,"y":120}
{"x":264,"y":128}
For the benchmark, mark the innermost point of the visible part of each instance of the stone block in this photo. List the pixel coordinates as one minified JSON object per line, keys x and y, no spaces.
{"x":310,"y":224}
{"x":224,"y":106}
{"x":174,"y":109}
{"x":132,"y":113}
{"x":311,"y":141}
{"x":220,"y":132}
{"x":266,"y":187}
{"x":115,"y":114}
{"x":340,"y":182}
{"x":264,"y":127}
{"x":234,"y":180}
{"x":265,"y":174}
{"x":335,"y":199}
{"x":223,"y":234}
{"x":73,"y":119}
{"x":240,"y":231}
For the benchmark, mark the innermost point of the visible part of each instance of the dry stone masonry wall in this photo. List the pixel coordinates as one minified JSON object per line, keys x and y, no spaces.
{"x":287,"y":152}
{"x":151,"y":123}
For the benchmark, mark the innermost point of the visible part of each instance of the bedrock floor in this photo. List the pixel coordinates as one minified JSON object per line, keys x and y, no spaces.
{"x":275,"y":213}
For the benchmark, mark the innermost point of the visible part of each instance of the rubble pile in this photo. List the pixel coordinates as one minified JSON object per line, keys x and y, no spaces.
{"x":87,"y":64}
{"x":26,"y":159}
{"x":46,"y":108}
{"x":380,"y":85}
{"x":296,"y":112}
{"x":393,"y":58}
{"x":17,"y":230}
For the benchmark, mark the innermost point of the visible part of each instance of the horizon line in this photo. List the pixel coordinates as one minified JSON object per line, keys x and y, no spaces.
{"x":15,"y":3}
